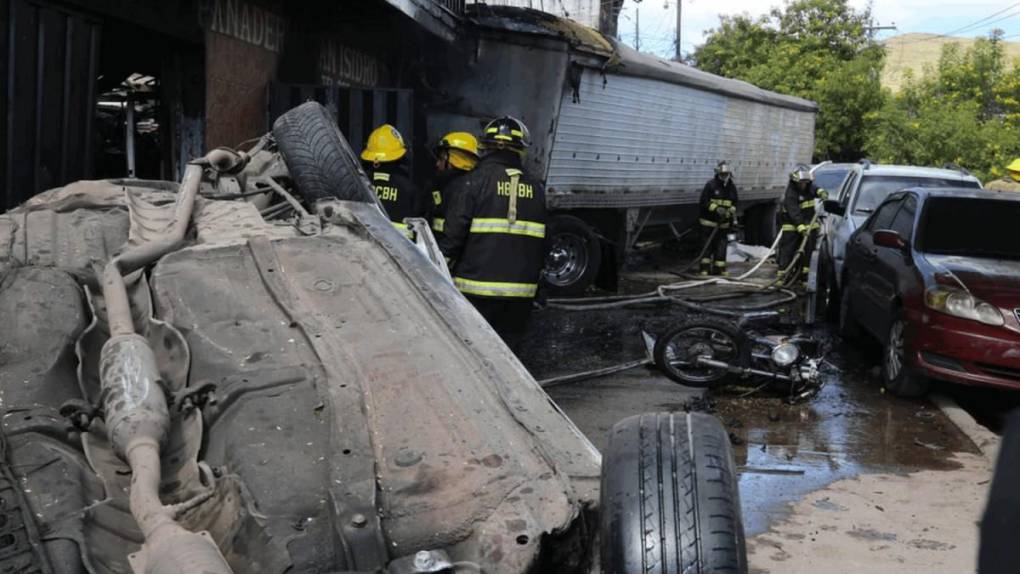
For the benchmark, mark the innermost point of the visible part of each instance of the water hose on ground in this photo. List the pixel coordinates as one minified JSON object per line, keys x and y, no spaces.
{"x":662,"y":292}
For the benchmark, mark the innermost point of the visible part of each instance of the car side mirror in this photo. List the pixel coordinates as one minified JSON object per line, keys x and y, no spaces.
{"x":889,"y":238}
{"x":832,"y":206}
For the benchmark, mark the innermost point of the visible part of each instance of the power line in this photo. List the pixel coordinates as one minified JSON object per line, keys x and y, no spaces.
{"x":970,"y":27}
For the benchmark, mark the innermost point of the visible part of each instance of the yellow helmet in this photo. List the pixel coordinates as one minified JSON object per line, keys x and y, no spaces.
{"x":384,"y":144}
{"x":462,"y":148}
{"x":1014,"y":168}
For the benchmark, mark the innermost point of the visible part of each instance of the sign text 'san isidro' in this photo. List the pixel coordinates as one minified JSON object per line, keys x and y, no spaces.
{"x":343,"y":65}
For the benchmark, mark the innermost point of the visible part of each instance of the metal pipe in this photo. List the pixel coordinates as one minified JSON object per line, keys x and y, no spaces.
{"x":134,"y":403}
{"x":741,"y":370}
{"x":575,"y":377}
{"x":118,"y":307}
{"x":129,"y":135}
{"x":286,"y":196}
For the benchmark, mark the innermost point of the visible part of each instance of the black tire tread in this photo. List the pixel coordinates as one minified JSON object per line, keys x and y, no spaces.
{"x":689,"y":507}
{"x":321,"y":162}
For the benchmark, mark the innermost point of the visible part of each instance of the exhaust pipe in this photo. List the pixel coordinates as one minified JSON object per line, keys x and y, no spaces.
{"x":134,"y":402}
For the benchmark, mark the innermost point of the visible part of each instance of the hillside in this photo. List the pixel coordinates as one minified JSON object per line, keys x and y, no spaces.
{"x":914,"y":51}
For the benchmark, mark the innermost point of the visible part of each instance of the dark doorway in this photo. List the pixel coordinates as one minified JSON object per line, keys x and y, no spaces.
{"x":49,"y":70}
{"x":146,"y":89}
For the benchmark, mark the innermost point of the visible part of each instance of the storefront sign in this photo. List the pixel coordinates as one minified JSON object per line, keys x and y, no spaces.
{"x":343,"y":65}
{"x":248,"y":22}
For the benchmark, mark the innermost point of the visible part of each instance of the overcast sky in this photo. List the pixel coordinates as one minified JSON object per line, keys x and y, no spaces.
{"x":658,"y":18}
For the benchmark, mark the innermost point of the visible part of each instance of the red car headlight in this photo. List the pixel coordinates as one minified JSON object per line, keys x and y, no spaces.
{"x":959,"y":303}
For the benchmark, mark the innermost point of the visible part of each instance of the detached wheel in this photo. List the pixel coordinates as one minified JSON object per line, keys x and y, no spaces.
{"x":321,"y":162}
{"x":574,"y":257}
{"x":677,"y":352}
{"x":896,"y":373}
{"x":669,"y":497}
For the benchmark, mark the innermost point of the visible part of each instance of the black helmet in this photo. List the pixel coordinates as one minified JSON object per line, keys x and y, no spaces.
{"x":506,"y":132}
{"x":723,"y":168}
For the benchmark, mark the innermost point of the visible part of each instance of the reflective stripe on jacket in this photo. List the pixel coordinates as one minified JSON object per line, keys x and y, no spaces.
{"x":717,"y":195}
{"x":798,"y":206}
{"x":398,"y":195}
{"x":494,"y":229}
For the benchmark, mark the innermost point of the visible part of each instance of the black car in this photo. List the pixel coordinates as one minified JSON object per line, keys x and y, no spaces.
{"x":934,"y":275}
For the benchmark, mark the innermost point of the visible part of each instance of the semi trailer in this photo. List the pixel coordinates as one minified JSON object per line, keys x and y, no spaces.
{"x":623,"y":140}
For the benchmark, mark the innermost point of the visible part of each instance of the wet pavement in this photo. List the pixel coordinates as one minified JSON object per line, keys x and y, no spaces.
{"x":783,"y":452}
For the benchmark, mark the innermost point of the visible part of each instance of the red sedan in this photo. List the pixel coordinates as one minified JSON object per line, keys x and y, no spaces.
{"x":934,"y":275}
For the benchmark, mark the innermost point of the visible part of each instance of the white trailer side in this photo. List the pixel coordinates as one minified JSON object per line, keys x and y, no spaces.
{"x":623,"y":140}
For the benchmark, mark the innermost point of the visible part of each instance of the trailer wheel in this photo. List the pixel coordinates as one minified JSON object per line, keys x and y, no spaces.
{"x":319,"y":159}
{"x":669,"y":497}
{"x":573,"y":258}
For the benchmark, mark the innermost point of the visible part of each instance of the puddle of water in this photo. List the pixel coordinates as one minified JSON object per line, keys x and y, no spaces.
{"x":783,"y":451}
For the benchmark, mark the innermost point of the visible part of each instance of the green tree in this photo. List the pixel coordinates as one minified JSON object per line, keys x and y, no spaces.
{"x":816,"y":49}
{"x":965,"y":111}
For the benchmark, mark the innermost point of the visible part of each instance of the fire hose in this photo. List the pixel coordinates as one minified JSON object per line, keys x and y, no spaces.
{"x":662,"y":293}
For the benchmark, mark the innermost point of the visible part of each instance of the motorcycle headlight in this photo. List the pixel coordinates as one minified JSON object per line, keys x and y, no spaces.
{"x":959,"y":303}
{"x":784,"y":354}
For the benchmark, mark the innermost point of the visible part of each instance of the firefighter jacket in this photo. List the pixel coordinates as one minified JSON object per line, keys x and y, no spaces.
{"x":718,"y":204}
{"x":798,"y":207}
{"x":494,"y":232}
{"x":396,"y":192}
{"x":438,"y":197}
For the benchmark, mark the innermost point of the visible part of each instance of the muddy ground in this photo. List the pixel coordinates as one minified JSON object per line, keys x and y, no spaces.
{"x":848,"y":479}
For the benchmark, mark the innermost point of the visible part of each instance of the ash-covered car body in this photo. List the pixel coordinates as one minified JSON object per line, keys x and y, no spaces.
{"x":344,"y":371}
{"x":219,"y":377}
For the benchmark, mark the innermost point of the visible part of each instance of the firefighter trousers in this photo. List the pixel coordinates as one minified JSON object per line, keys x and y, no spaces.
{"x":508,"y":317}
{"x":787,"y":252}
{"x":713,"y":257}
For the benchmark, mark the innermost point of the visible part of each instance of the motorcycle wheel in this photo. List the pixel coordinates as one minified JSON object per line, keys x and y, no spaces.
{"x":676,"y":352}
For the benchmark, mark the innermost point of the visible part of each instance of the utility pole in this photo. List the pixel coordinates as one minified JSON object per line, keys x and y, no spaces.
{"x":679,"y":3}
{"x":637,"y":27}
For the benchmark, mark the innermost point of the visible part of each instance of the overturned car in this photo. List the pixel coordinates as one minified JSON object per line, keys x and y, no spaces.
{"x":254,"y":371}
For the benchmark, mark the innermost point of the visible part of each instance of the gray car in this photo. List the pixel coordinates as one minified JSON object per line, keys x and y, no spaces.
{"x":862,"y":190}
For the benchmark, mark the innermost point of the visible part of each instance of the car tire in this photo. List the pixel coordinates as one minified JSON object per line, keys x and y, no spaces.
{"x":669,"y":499}
{"x":321,"y":162}
{"x":897,"y":376}
{"x":848,"y":328}
{"x":720,"y":330}
{"x":827,"y":297}
{"x":574,"y":257}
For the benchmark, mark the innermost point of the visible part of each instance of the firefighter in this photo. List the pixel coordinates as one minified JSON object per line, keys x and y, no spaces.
{"x":798,"y":220}
{"x":718,"y":209}
{"x":495,"y":229}
{"x":386,"y":166}
{"x":1008,"y":182}
{"x":456,"y":154}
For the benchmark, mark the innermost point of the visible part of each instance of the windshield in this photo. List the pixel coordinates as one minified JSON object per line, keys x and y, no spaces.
{"x":831,"y":179}
{"x":970,"y":227}
{"x":875,"y":188}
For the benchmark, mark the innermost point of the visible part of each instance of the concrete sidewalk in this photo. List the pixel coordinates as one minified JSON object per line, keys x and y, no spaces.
{"x":882,"y":523}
